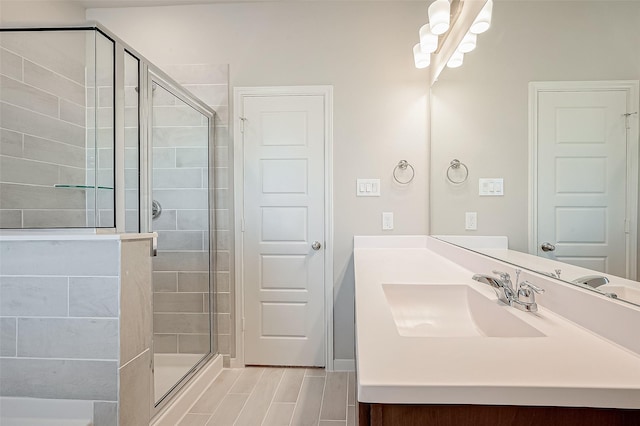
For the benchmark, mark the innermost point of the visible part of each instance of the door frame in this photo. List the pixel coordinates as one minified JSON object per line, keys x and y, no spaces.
{"x":239,"y":93}
{"x":633,"y":104}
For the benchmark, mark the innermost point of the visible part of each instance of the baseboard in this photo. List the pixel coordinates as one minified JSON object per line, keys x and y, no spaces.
{"x":344,"y":365}
{"x":235,"y":363}
{"x":173,"y":413}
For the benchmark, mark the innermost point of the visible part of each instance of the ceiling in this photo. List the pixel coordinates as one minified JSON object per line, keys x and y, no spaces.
{"x":136,"y":3}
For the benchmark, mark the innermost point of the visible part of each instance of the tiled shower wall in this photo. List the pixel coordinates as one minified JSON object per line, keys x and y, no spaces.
{"x":180,"y":167}
{"x":42,"y":129}
{"x":179,"y":278}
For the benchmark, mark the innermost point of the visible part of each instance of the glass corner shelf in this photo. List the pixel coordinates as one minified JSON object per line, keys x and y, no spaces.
{"x":63,"y":185}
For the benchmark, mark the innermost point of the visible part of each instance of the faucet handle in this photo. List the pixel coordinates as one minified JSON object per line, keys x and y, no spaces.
{"x":528,"y":285}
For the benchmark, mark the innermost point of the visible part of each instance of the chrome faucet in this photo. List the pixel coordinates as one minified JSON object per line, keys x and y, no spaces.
{"x":522,"y":296}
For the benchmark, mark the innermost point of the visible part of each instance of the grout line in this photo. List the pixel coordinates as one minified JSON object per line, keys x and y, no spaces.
{"x":57,"y":276}
{"x":48,"y":162}
{"x":110,"y":360}
{"x":322,"y":400}
{"x":68,"y":296}
{"x":298,"y":397}
{"x":60,"y":317}
{"x":48,"y":92}
{"x":248,"y":396}
{"x":16,"y":345}
{"x":346,"y":413}
{"x":273,"y":397}
{"x":48,"y":116}
{"x":202,"y":394}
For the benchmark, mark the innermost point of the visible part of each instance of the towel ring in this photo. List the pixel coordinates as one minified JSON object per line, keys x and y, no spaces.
{"x":455,"y":165}
{"x":403,"y":165}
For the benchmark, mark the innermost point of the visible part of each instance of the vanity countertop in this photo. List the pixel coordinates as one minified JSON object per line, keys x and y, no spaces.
{"x":569,"y":366}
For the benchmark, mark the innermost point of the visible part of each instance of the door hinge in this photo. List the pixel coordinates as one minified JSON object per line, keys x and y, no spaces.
{"x":241,"y":225}
{"x":627,"y":116}
{"x":242,"y":120}
{"x":627,"y":226}
{"x":242,"y":324}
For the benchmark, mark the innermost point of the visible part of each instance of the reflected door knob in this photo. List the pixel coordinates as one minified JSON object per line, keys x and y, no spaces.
{"x":316,"y":245}
{"x":547,"y":247}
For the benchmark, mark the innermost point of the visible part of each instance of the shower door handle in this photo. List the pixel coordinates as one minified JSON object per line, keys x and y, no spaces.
{"x":154,"y":245}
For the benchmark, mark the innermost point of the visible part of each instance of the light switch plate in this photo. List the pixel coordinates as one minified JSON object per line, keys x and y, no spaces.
{"x":368,"y":187}
{"x":491,"y":187}
{"x":387,"y":221}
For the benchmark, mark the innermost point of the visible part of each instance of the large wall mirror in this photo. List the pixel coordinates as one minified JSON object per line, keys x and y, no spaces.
{"x":480,"y":114}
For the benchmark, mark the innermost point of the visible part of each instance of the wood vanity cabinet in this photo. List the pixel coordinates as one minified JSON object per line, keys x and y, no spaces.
{"x":490,"y":415}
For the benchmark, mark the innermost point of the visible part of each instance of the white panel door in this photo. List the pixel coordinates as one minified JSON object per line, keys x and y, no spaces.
{"x":284,"y":215}
{"x":582,"y":173}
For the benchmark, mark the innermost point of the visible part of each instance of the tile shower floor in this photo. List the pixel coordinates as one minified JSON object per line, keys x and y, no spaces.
{"x":255,"y":396}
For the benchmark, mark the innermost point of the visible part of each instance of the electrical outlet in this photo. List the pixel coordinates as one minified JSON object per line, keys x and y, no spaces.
{"x":471,"y":221}
{"x":387,"y":221}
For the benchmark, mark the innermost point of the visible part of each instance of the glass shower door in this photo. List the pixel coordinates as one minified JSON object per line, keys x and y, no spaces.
{"x":180,"y":210}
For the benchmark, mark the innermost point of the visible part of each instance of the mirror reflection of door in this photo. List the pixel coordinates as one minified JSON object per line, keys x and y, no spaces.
{"x":584,"y":206}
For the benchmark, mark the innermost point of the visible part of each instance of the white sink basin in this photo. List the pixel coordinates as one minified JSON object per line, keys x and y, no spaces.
{"x":452,"y":310}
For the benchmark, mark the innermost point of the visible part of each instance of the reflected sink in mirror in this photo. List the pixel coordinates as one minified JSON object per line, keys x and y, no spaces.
{"x":452,"y":310}
{"x":629,"y":294}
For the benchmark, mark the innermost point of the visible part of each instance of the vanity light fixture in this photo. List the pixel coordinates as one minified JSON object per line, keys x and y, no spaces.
{"x":421,"y":59}
{"x":483,"y":20}
{"x":468,"y":43}
{"x":428,"y":40}
{"x":456,"y":59}
{"x":439,"y":16}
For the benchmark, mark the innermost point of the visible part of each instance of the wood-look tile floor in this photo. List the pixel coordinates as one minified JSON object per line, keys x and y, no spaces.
{"x":256,"y":396}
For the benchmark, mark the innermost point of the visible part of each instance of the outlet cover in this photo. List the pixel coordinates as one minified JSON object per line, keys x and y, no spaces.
{"x":471,"y":221}
{"x":387,"y":221}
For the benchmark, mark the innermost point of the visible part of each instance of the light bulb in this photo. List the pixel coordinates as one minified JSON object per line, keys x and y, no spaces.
{"x":483,"y":20}
{"x":468,"y":43}
{"x":428,"y":40}
{"x":456,"y":59}
{"x":439,"y":16}
{"x":421,"y":59}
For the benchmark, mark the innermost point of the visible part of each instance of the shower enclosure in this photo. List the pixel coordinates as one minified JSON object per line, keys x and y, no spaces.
{"x":96,"y":139}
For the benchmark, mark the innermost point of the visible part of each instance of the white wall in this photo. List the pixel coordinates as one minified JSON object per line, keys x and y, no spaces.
{"x":363,"y":49}
{"x":35,"y":12}
{"x":480,"y":111}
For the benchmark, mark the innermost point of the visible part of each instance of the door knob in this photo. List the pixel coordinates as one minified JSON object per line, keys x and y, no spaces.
{"x":547,"y":247}
{"x":316,"y":245}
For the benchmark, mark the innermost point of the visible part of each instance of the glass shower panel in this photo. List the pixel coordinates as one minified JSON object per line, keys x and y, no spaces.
{"x":182,"y":312}
{"x":47,"y":127}
{"x":105,"y":132}
{"x":131,"y":143}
